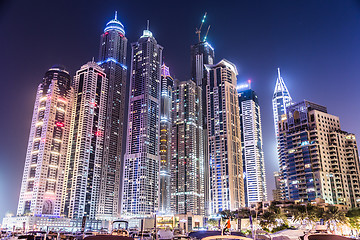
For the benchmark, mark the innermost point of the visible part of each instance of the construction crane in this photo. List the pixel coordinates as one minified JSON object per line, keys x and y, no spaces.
{"x":207,"y":33}
{"x":198,"y":31}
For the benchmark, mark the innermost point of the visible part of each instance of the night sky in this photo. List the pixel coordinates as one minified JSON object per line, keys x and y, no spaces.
{"x":315,"y":43}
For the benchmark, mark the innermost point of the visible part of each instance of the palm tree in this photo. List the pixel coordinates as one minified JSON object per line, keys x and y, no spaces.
{"x":300,"y":213}
{"x":306,"y":214}
{"x":268,"y":220}
{"x":227,"y":214}
{"x":333,"y":216}
{"x":276,"y":211}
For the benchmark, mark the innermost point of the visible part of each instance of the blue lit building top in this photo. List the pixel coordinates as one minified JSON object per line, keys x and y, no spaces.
{"x":110,"y":59}
{"x":115,"y":25}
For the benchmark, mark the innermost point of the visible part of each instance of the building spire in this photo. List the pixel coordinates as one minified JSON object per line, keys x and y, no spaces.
{"x":279,"y":73}
{"x":280,"y":85}
{"x":115,"y":15}
{"x":148,"y":23}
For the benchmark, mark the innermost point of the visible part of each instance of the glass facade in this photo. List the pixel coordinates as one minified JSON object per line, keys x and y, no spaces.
{"x":142,"y":158}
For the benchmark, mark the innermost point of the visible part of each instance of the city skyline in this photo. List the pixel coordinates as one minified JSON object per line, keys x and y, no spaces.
{"x":270,"y":157}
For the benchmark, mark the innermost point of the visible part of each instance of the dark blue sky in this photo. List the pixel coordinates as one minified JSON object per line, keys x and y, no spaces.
{"x":315,"y":43}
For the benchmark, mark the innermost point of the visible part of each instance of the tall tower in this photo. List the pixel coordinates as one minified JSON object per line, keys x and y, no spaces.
{"x":165,"y":139}
{"x":187,"y":163}
{"x":85,"y":156}
{"x":42,"y":183}
{"x":142,"y":158}
{"x":224,"y":134}
{"x":281,"y":99}
{"x":112,"y":57}
{"x":252,"y":147}
{"x":321,"y":160}
{"x":202,"y":53}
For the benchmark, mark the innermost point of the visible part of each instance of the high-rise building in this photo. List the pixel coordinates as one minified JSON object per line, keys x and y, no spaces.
{"x":276,"y":192}
{"x":142,"y":158}
{"x":224,"y":138}
{"x":321,"y":160}
{"x":252,"y":147}
{"x":112,"y":57}
{"x":202,"y":53}
{"x":165,"y":139}
{"x":84,"y":161}
{"x":187,"y":163}
{"x":42,"y":183}
{"x":281,"y":99}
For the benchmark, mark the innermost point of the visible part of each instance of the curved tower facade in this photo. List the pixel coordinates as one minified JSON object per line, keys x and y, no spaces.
{"x":42,"y":184}
{"x":281,"y":100}
{"x":112,"y":58}
{"x":86,"y":144}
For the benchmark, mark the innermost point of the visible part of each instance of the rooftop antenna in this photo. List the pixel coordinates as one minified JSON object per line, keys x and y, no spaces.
{"x":148,"y":23}
{"x":115,"y":15}
{"x":207,"y":33}
{"x":198,"y":31}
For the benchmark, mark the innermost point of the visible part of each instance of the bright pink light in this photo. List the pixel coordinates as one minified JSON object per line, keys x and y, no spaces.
{"x":98,"y":133}
{"x":59,"y":124}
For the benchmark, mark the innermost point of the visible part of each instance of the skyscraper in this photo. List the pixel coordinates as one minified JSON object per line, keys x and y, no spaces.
{"x":112,"y":57}
{"x":252,"y":147}
{"x":165,"y":139}
{"x":187,"y":163}
{"x":224,"y":138}
{"x":276,"y":192}
{"x":281,"y":99}
{"x":142,"y":158}
{"x":202,"y":53}
{"x":321,"y":160}
{"x":42,"y":183}
{"x":84,"y":161}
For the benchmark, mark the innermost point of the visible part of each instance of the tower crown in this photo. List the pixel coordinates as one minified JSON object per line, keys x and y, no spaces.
{"x":147,"y":33}
{"x":59,"y":67}
{"x":280,"y":86}
{"x":115,"y":24}
{"x":165,"y":72}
